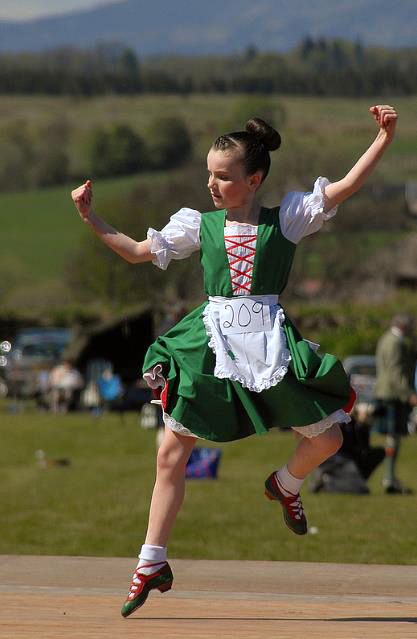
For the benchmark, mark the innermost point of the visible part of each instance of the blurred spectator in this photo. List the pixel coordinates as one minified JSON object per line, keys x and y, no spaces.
{"x":349,"y":469}
{"x":109,"y":387}
{"x":395,"y":392}
{"x":65,"y":382}
{"x":357,"y":444}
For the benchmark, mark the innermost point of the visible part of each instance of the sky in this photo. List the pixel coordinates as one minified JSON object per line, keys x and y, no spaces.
{"x":25,"y":9}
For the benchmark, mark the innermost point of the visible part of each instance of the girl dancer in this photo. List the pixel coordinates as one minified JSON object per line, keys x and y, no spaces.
{"x":236,"y":365}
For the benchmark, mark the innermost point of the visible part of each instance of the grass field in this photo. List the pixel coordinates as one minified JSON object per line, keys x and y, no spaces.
{"x":41,"y":228}
{"x":98,"y":505}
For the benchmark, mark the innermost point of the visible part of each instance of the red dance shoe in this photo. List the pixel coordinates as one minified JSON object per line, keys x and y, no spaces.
{"x":142,"y":585}
{"x":292,"y":507}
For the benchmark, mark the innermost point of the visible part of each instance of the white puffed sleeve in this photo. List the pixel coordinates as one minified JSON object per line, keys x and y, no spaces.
{"x":302,"y":214}
{"x":178,"y":239}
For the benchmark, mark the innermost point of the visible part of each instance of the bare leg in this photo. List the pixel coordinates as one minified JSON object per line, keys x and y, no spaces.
{"x":311,"y":452}
{"x":169,"y":489}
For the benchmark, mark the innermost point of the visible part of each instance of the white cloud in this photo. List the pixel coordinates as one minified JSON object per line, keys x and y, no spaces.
{"x":24,"y":9}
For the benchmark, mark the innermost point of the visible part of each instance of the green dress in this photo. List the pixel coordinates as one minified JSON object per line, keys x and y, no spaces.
{"x":314,"y":387}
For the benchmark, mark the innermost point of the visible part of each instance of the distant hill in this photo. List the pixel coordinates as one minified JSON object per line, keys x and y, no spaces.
{"x":217,"y":26}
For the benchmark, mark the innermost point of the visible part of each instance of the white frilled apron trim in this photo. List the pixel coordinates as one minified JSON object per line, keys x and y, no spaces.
{"x":257,"y":360}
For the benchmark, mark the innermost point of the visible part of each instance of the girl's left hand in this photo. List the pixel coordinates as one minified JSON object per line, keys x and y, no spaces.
{"x":386,"y":117}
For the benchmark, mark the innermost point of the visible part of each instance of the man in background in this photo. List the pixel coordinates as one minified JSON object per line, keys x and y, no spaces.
{"x":64,"y":381}
{"x":395,"y":370}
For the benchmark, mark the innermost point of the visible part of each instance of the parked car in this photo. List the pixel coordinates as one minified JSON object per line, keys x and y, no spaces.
{"x":34,"y":352}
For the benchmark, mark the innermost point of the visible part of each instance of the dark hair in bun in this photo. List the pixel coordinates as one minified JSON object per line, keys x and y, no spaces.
{"x":269,"y":137}
{"x":255,"y":143}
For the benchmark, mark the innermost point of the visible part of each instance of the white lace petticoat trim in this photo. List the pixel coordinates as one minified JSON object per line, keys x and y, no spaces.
{"x":309,"y":431}
{"x":176,"y":427}
{"x":313,"y":430}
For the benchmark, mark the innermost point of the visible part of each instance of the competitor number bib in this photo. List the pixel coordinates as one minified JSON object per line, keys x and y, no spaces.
{"x":244,"y":316}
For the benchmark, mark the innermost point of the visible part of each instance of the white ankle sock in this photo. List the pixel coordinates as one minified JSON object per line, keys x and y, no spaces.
{"x":289,"y":484}
{"x":153,"y":557}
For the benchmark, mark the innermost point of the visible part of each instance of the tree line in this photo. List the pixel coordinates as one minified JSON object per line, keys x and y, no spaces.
{"x":35,"y":157}
{"x":320,"y":66}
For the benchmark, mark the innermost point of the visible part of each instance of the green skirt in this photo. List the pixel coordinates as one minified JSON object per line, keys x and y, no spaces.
{"x":314,"y":387}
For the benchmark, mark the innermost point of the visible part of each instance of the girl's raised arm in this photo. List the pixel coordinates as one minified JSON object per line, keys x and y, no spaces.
{"x":386,"y":118}
{"x":132,"y":251}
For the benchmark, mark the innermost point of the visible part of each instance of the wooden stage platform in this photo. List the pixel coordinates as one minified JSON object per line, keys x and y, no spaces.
{"x":80,"y":597}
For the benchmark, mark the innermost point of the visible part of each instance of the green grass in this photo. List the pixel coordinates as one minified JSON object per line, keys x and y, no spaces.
{"x":98,"y":505}
{"x":41,"y":228}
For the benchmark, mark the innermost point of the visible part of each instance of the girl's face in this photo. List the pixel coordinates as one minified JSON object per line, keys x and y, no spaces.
{"x":228,"y":183}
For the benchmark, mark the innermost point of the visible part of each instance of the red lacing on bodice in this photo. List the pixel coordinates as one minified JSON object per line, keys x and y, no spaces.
{"x":241,"y":264}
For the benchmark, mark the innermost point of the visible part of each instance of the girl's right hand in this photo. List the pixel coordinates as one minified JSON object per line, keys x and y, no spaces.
{"x":82,"y":197}
{"x":386,"y":117}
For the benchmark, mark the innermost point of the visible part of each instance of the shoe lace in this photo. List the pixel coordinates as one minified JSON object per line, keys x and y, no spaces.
{"x":140,"y":577}
{"x":136,"y":582}
{"x":296,"y":507}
